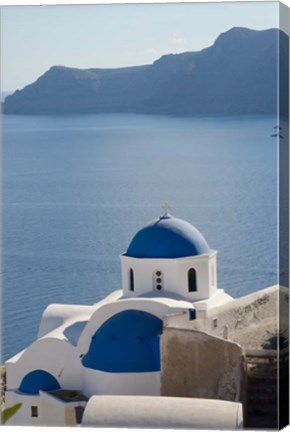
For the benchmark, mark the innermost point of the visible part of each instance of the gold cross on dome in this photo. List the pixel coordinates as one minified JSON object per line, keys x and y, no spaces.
{"x":166,"y":207}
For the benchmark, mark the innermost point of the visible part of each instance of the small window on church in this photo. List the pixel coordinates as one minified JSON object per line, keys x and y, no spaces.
{"x":34,"y":411}
{"x":158,"y":280}
{"x":131,"y":280}
{"x":191,"y":280}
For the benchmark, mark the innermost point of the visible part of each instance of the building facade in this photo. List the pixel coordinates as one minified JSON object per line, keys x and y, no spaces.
{"x":113,"y":346}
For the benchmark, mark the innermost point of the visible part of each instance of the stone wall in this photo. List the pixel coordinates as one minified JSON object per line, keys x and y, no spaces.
{"x":250,"y":321}
{"x":196,"y":364}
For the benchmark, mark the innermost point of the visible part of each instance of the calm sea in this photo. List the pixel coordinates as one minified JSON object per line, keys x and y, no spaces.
{"x":77,"y":188}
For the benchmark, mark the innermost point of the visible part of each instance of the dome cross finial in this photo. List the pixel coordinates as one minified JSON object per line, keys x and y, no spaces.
{"x":166,"y":207}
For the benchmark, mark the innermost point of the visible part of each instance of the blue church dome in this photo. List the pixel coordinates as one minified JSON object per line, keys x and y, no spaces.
{"x":167,"y":237}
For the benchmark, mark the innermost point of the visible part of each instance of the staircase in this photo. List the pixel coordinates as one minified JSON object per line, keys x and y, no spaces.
{"x":263,"y":398}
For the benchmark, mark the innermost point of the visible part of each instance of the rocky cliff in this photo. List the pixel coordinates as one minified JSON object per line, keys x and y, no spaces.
{"x":236,"y":75}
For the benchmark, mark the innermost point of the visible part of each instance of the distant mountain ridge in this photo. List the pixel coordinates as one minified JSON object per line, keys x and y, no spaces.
{"x":236,"y":75}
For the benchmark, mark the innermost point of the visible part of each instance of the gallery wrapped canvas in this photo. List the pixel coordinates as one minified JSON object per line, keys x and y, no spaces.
{"x":146,"y":215}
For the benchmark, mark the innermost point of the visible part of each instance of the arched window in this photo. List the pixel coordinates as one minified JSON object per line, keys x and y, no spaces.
{"x":131,"y":280}
{"x":191,"y":275}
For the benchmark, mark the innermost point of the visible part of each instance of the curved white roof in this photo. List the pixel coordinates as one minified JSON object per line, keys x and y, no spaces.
{"x":162,"y":412}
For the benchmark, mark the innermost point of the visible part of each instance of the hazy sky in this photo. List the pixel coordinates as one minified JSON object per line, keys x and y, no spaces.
{"x":34,"y":38}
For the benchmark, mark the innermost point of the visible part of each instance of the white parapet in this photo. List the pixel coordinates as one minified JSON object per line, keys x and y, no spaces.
{"x":162,"y":412}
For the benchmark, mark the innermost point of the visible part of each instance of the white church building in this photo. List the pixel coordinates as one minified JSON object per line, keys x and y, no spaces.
{"x":112,"y":347}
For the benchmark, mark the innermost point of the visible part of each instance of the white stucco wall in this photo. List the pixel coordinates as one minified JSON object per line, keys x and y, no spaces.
{"x":23,"y":415}
{"x":56,"y":315}
{"x":51,"y":411}
{"x":174,"y":275}
{"x":98,"y":383}
{"x":55,"y":356}
{"x":144,"y":270}
{"x":57,"y":412}
{"x":202,"y":266}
